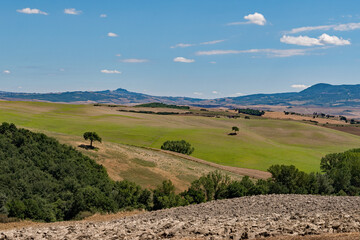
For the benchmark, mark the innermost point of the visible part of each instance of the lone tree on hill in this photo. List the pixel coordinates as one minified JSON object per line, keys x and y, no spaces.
{"x":235,"y":129}
{"x":92,"y":136}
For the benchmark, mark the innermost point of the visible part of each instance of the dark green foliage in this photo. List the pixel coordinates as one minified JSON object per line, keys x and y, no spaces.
{"x":149,"y":112}
{"x":3,"y":200}
{"x":289,"y":179}
{"x":209,"y":187}
{"x":42,"y":179}
{"x":129,"y":195}
{"x":235,"y":129}
{"x":162,"y":105}
{"x":178,"y":146}
{"x":164,"y":196}
{"x":92,"y":136}
{"x":250,"y":111}
{"x":344,"y":170}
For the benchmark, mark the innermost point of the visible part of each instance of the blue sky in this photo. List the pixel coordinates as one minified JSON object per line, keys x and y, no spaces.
{"x":195,"y":48}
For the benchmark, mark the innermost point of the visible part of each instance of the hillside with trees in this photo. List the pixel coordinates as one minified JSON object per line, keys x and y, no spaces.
{"x":42,"y":179}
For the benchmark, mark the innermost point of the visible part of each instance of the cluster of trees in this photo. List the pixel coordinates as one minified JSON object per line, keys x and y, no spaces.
{"x":250,"y":111}
{"x":162,"y":105}
{"x":150,"y":112}
{"x":178,"y":146}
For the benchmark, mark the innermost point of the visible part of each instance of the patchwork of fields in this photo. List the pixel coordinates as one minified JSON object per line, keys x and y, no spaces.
{"x":259,"y":144}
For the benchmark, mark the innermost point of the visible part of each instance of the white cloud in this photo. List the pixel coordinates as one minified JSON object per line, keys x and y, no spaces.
{"x":333,"y":40}
{"x":31,"y":11}
{"x":134,"y":60}
{"x":324,"y":39}
{"x":62,"y":70}
{"x":212,"y":62}
{"x":183,"y":60}
{"x":256,"y":18}
{"x":103,"y":15}
{"x":214,"y":92}
{"x":299,"y":86}
{"x":110,"y":34}
{"x":335,"y":27}
{"x":72,"y":11}
{"x":267,"y":52}
{"x":212,"y":42}
{"x":237,"y":94}
{"x":118,"y":55}
{"x":6,"y":71}
{"x":110,"y":71}
{"x":300,"y":40}
{"x":197,"y":93}
{"x":220,"y":52}
{"x":183,"y":45}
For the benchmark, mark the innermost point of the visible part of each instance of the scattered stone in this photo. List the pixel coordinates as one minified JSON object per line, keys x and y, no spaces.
{"x":242,"y":218}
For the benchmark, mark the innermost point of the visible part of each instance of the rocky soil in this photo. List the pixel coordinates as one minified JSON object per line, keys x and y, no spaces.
{"x":241,"y":218}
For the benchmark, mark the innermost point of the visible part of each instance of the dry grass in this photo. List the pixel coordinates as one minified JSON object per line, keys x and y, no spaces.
{"x":94,"y":218}
{"x":148,"y":167}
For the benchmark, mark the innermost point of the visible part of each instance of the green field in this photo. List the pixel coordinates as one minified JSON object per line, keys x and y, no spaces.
{"x":259,"y":144}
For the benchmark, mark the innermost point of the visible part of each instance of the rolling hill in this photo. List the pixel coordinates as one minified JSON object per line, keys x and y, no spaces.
{"x":321,"y":95}
{"x":255,"y":147}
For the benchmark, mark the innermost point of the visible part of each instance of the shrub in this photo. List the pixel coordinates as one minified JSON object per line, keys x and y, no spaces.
{"x":178,"y":146}
{"x":253,"y":112}
{"x":164,"y":196}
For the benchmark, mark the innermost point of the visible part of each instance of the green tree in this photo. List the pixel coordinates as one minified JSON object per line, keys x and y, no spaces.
{"x":164,"y":196}
{"x":178,"y":146}
{"x":92,"y":136}
{"x":235,"y":129}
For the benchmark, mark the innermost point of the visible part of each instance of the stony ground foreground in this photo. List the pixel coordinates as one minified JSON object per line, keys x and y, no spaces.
{"x":242,"y":218}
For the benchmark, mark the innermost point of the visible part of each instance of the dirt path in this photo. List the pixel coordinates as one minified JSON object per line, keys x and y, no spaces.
{"x":240,"y":171}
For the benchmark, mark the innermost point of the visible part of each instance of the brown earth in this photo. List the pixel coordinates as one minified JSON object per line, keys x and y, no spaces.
{"x":281,"y":115}
{"x":349,"y":112}
{"x":286,"y":217}
{"x":348,"y":129}
{"x":341,"y":236}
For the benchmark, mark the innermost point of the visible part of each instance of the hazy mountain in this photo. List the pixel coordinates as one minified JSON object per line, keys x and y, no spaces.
{"x":324,"y":95}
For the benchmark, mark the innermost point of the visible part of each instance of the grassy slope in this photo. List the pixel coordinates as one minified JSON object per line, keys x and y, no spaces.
{"x":259,"y":144}
{"x":145,"y":167}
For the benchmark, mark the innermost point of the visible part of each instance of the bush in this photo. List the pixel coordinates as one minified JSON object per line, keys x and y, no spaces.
{"x":83,"y":215}
{"x":5,"y":219}
{"x":250,"y":111}
{"x":178,"y":146}
{"x":164,"y":197}
{"x":162,"y":105}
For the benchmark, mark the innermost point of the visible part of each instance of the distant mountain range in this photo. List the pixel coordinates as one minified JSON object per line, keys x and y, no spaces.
{"x":321,"y":95}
